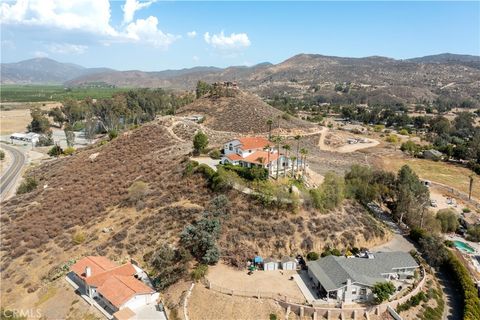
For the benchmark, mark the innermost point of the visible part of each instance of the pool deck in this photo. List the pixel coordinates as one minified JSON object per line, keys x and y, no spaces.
{"x":474,"y":245}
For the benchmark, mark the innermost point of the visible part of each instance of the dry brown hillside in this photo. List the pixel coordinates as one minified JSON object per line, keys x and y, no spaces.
{"x":81,"y":207}
{"x":243,"y":113}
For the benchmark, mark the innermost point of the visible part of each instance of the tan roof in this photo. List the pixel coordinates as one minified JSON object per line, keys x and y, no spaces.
{"x":254,"y":143}
{"x":124,"y":314}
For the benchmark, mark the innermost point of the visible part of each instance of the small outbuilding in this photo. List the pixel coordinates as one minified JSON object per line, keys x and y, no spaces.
{"x":289,"y":263}
{"x":270,"y":264}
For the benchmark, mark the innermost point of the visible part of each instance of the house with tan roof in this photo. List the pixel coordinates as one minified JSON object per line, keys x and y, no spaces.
{"x":252,"y":152}
{"x":118,"y":289}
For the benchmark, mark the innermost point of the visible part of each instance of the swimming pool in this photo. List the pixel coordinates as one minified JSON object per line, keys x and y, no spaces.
{"x":463,"y":246}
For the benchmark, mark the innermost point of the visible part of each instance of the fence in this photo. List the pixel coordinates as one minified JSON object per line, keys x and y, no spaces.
{"x":253,"y":293}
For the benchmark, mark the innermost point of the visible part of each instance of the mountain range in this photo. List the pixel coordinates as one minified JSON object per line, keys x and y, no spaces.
{"x":456,"y":76}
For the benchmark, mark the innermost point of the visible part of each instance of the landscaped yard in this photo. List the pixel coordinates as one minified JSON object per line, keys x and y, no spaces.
{"x":452,"y":175}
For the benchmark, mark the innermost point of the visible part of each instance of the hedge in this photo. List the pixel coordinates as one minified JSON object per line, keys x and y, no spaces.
{"x":255,"y":173}
{"x":471,"y":310}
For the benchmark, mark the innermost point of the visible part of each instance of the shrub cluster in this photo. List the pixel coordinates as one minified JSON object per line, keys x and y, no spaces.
{"x":28,"y":185}
{"x":251,"y":174}
{"x":413,"y":302}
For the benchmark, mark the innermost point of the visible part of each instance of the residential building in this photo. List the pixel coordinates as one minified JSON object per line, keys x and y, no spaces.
{"x":114,"y":287}
{"x":254,"y":152}
{"x":351,"y":279}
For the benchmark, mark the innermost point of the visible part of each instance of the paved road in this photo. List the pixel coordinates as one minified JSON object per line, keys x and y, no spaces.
{"x":8,"y":179}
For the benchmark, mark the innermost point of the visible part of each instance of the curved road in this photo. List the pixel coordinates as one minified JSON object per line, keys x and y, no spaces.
{"x":8,"y":179}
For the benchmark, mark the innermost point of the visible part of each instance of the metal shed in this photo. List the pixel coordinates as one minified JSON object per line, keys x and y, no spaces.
{"x":270,"y":265}
{"x":289,"y":263}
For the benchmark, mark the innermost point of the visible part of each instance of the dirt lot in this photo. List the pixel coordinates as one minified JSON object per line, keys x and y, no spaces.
{"x":205,"y":304}
{"x":268,"y":281}
{"x":17,"y":118}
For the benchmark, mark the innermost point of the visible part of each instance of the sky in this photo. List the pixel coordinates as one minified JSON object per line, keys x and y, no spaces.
{"x":154,"y":35}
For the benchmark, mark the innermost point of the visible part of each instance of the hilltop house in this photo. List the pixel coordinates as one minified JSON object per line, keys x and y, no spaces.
{"x":254,"y":151}
{"x":118,"y":289}
{"x":351,"y":279}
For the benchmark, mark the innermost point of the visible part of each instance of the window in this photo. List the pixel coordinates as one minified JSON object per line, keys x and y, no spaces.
{"x":230,"y":147}
{"x":363,"y":291}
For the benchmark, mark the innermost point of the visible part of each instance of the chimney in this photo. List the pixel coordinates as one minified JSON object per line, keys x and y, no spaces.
{"x":88,"y":271}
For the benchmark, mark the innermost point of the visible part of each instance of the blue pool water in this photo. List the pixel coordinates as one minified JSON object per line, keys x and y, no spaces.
{"x":463,"y":246}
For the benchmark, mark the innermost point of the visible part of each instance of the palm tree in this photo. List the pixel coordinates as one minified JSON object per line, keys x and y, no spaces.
{"x":293,"y":158}
{"x":277,"y":140}
{"x":267,"y":148}
{"x":286,"y":148}
{"x":269,"y":123}
{"x":297,"y":138}
{"x":303,"y":152}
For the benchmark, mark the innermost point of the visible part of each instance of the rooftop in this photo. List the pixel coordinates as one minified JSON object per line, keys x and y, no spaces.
{"x":254,"y":142}
{"x":333,"y":272}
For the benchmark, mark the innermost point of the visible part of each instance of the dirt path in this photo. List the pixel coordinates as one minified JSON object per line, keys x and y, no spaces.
{"x":347,"y":148}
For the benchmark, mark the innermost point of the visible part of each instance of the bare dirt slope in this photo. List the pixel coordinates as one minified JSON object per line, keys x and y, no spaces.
{"x":243,"y":113}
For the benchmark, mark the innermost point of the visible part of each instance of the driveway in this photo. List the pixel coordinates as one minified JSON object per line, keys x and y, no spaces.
{"x":212,"y":163}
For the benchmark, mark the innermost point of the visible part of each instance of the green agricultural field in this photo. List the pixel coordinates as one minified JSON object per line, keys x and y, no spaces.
{"x":37,"y":93}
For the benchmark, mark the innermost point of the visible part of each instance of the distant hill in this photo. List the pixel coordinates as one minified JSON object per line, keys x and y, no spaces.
{"x":365,"y":80}
{"x":43,"y":71}
{"x":447,"y":58}
{"x":243,"y":112}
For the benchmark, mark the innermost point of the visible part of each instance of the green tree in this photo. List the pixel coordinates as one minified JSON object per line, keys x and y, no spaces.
{"x":448,"y":220}
{"x":200,"y":238}
{"x":202,"y":89}
{"x":383,"y":291}
{"x":55,"y":151}
{"x":413,"y":196}
{"x":287,"y":148}
{"x":39,"y":123}
{"x":69,"y":135}
{"x":330,"y":194}
{"x":200,"y":142}
{"x":2,"y":154}
{"x":57,"y":116}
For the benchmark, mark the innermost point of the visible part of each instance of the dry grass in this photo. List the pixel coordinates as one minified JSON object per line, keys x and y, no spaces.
{"x":17,"y":119}
{"x":243,"y":113}
{"x":449,"y":174}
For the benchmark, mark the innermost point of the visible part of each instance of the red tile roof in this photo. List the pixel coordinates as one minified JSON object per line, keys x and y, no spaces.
{"x":116,"y":283}
{"x":234,"y":157}
{"x":248,"y":143}
{"x":254,"y":157}
{"x":119,"y":289}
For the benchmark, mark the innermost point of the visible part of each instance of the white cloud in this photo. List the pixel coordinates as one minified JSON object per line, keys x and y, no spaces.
{"x":88,"y":15}
{"x":147,"y":30}
{"x":40,"y":54}
{"x":192,"y":34}
{"x":195,"y":58}
{"x":232,"y":42}
{"x":67,"y":48}
{"x":91,"y":16}
{"x":132,"y":6}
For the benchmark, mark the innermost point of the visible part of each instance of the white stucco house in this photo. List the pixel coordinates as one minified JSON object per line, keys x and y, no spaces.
{"x":117,"y":288}
{"x":351,"y":279}
{"x":254,"y":152}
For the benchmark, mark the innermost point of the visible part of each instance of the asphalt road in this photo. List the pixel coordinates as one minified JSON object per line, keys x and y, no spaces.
{"x":8,"y":179}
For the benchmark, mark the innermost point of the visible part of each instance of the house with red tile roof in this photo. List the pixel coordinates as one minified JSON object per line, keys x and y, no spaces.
{"x":254,"y":152}
{"x":114,"y":287}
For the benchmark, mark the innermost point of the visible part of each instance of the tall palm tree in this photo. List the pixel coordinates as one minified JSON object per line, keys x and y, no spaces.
{"x":293,"y":158}
{"x":286,"y":148}
{"x":267,"y":148}
{"x":297,"y":138}
{"x":303,"y":153}
{"x":269,"y":123}
{"x":277,"y":141}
